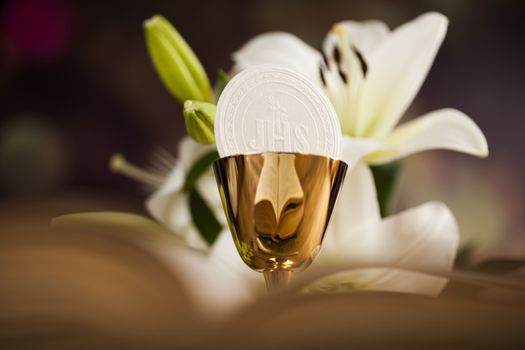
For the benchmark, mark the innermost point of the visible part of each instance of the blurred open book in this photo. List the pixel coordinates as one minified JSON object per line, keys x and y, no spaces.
{"x":104,"y":288}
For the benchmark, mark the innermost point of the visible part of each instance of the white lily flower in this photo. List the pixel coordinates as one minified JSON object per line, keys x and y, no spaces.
{"x":218,"y":282}
{"x":371,"y":75}
{"x":424,"y":238}
{"x":169,"y":204}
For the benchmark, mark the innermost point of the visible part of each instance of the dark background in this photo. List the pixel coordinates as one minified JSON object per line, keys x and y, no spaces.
{"x":77,"y":85}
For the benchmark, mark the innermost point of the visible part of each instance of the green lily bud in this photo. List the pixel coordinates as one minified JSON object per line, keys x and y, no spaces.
{"x":175,"y":62}
{"x":199,"y":118}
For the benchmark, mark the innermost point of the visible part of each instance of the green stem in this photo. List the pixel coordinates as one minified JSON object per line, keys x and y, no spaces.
{"x":385,"y":178}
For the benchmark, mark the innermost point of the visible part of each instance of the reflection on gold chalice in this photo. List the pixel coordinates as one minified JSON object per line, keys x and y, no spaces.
{"x":278,"y":206}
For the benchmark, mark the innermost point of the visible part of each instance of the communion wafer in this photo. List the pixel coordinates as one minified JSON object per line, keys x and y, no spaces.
{"x":273,"y":109}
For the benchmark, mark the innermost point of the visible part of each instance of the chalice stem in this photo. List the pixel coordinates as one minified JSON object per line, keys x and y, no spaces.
{"x":278,"y":279}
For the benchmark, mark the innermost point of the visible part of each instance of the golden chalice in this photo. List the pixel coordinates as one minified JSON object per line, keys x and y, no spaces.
{"x":278,"y":206}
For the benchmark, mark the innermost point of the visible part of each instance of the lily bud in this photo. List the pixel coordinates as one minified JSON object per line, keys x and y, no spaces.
{"x":199,"y":118}
{"x":175,"y":62}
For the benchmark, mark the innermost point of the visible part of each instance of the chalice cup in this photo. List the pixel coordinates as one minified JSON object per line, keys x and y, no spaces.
{"x":278,"y":206}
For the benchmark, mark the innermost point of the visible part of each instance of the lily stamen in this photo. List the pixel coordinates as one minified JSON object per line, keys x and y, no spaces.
{"x":119,"y":165}
{"x":341,"y":52}
{"x":321,"y":74}
{"x":362,"y":62}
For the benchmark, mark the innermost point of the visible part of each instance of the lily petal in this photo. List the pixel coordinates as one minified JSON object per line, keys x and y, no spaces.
{"x":343,"y":74}
{"x":356,"y":208}
{"x":225,"y":254}
{"x":366,"y":35}
{"x":353,"y":150}
{"x":169,"y":205}
{"x":357,"y":202}
{"x":345,"y":52}
{"x":442,"y":129}
{"x":216,"y":281}
{"x":397,"y":68}
{"x":380,"y":279}
{"x":424,"y":238}
{"x":279,"y":48}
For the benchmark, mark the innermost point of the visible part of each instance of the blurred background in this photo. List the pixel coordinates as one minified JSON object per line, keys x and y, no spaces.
{"x":77,"y":85}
